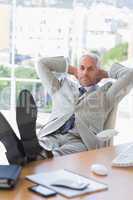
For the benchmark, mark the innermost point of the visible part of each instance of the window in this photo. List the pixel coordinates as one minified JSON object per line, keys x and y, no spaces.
{"x":30,"y":29}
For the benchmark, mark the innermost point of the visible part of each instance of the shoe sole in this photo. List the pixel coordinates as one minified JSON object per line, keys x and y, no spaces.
{"x":26,"y":115}
{"x":15,"y":153}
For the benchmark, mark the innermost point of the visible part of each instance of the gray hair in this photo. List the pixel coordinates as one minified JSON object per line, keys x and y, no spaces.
{"x":93,"y":56}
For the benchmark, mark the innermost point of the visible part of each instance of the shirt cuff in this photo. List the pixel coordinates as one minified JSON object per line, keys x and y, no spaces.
{"x":67,"y":64}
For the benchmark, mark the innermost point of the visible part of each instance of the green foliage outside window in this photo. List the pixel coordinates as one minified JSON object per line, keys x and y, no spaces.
{"x":5,"y":72}
{"x":117,"y":54}
{"x":26,"y":72}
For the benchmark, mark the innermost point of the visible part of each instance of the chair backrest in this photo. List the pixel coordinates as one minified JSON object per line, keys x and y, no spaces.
{"x":111,"y":119}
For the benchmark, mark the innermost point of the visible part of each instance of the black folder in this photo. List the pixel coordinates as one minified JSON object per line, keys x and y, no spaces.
{"x":9,"y":175}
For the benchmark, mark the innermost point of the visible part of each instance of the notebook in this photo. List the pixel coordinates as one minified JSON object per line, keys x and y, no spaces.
{"x":50,"y":178}
{"x":9,"y":175}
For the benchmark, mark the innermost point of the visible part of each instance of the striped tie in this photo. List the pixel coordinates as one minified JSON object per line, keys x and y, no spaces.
{"x":82,"y":90}
{"x":70,"y":122}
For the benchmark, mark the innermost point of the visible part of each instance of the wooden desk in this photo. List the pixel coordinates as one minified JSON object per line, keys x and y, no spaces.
{"x":120,"y":181}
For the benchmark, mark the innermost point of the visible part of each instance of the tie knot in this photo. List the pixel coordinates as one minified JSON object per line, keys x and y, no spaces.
{"x":82,"y":90}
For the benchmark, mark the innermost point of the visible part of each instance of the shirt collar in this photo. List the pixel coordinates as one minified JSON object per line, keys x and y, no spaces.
{"x":89,"y":88}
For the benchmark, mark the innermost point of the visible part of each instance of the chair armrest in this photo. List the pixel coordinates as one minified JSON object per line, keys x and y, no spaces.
{"x":107,"y":134}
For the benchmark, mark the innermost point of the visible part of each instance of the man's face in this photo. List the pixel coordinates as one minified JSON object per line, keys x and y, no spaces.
{"x":87,"y":71}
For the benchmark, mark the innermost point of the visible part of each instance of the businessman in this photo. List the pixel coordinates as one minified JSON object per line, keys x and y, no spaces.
{"x":80,"y":106}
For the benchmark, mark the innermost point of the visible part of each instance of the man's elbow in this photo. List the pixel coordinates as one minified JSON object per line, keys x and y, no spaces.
{"x":132,"y":72}
{"x":129,"y":78}
{"x":40,"y":62}
{"x":132,"y":76}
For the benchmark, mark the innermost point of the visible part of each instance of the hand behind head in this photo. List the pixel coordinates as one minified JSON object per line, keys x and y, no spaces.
{"x":101,"y":75}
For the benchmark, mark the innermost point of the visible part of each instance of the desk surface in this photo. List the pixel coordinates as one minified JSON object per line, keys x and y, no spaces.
{"x":119,"y":180}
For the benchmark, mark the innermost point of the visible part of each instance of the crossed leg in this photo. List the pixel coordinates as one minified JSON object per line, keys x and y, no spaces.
{"x":27,"y":149}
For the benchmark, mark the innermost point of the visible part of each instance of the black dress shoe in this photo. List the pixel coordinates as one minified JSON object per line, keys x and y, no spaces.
{"x":15,"y":152}
{"x":26,"y":115}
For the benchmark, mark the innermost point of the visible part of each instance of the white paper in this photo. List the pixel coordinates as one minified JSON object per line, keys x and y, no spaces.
{"x":47,"y":179}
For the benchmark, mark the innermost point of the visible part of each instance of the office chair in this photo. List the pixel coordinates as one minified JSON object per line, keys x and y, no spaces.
{"x":107,"y":135}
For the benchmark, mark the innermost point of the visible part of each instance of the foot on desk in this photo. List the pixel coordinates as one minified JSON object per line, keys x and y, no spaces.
{"x":26,"y":115}
{"x":14,"y":148}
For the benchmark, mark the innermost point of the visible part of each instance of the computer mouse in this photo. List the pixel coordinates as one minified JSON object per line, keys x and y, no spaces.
{"x":99,"y":169}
